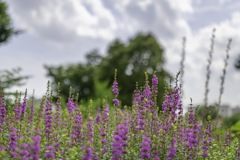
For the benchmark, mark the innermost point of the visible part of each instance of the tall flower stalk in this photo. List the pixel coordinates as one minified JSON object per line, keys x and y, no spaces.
{"x":48,"y":116}
{"x":223,"y":76}
{"x":24,"y":106}
{"x":208,"y":72}
{"x":2,"y":111}
{"x":31,"y":112}
{"x":115,"y":89}
{"x":182,"y":63}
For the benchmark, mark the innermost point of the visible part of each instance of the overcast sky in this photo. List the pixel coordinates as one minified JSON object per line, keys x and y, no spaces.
{"x":62,"y":32}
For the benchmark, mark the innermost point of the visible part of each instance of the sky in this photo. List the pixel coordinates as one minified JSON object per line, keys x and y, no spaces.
{"x":62,"y":32}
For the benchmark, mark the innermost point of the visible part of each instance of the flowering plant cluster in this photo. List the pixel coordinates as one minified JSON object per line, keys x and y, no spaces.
{"x":141,"y":131}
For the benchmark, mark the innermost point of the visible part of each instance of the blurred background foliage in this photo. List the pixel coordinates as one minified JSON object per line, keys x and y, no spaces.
{"x":6,"y":28}
{"x":232,"y":120}
{"x":9,"y":78}
{"x":93,"y":79}
{"x":204,"y":112}
{"x":236,"y":128}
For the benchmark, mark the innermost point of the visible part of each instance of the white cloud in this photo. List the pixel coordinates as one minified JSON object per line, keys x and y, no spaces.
{"x":223,"y":2}
{"x":144,"y":4}
{"x":69,"y":19}
{"x":236,"y":77}
{"x":184,"y":5}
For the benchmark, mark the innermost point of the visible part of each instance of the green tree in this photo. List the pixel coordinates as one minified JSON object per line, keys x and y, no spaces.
{"x":203,"y":112}
{"x":79,"y":76}
{"x":131,"y":60}
{"x":230,"y":121}
{"x":140,"y":54}
{"x":11,"y":78}
{"x":6,"y":29}
{"x":93,"y":58}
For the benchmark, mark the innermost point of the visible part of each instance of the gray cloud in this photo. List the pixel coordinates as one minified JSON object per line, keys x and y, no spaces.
{"x":60,"y":32}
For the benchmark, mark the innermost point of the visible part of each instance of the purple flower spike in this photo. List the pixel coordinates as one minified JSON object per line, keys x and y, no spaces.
{"x":172,"y":152}
{"x":88,"y":153}
{"x":17,"y":111}
{"x":145,"y":150}
{"x":70,"y":106}
{"x":98,"y":118}
{"x":116,"y":102}
{"x":227,"y":138}
{"x":48,"y":120}
{"x":204,"y":154}
{"x":2,"y":111}
{"x":23,"y":107}
{"x":12,"y":140}
{"x":119,"y":144}
{"x":35,"y":147}
{"x":31,"y":115}
{"x":49,"y":155}
{"x":115,"y":90}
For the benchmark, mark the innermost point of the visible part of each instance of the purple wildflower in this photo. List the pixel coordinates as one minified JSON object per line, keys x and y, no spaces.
{"x":171,"y":153}
{"x":31,"y":115}
{"x":207,"y":140}
{"x":23,"y":107}
{"x":89,"y":126}
{"x":227,"y":139}
{"x":2,"y":148}
{"x":88,"y":153}
{"x":70,"y":106}
{"x":58,"y":115}
{"x":103,"y":141}
{"x":204,"y":154}
{"x":2,"y":111}
{"x":24,"y":152}
{"x":98,"y":118}
{"x":24,"y":145}
{"x":35,"y":147}
{"x":48,"y":120}
{"x":17,"y":111}
{"x":78,"y":125}
{"x":115,"y":90}
{"x":145,"y":150}
{"x":12,"y":140}
{"x":138,"y":96}
{"x":49,"y":153}
{"x":119,"y":141}
{"x":116,"y":102}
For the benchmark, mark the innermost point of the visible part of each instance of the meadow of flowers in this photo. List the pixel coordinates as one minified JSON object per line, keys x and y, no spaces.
{"x":133,"y":133}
